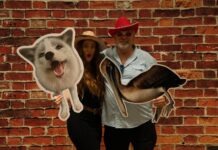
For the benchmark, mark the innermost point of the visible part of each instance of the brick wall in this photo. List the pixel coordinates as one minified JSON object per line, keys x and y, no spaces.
{"x":182,"y":34}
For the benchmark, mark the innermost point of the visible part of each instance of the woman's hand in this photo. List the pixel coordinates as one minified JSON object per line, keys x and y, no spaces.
{"x":58,"y":99}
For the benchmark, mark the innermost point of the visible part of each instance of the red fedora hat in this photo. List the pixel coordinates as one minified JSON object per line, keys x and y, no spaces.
{"x":122,"y":24}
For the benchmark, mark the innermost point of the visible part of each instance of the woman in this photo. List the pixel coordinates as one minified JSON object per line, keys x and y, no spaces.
{"x":84,"y":128}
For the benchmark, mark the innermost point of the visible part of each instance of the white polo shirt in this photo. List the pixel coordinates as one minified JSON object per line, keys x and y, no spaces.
{"x":138,"y":114}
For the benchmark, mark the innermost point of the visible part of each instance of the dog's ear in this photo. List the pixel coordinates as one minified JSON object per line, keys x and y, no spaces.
{"x":27,"y":53}
{"x":68,"y":36}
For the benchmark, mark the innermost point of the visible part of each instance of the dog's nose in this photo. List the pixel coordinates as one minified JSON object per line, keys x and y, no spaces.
{"x":49,"y":55}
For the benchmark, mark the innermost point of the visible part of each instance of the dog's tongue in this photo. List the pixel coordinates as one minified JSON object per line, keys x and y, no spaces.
{"x":59,"y":70}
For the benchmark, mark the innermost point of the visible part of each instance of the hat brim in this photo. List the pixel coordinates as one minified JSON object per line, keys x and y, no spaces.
{"x":134,"y":27}
{"x":100,"y":43}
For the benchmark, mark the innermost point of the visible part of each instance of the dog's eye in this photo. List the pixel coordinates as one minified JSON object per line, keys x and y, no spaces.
{"x":59,"y":47}
{"x":41,"y":55}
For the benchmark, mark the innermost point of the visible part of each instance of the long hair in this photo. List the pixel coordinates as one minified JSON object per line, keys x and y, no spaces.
{"x":92,"y":78}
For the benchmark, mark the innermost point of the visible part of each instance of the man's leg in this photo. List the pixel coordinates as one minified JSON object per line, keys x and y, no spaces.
{"x":116,"y":139}
{"x":144,"y":137}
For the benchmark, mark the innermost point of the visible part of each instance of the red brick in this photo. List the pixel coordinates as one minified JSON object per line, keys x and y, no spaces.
{"x":212,"y":130}
{"x":167,"y":130}
{"x":39,"y":4}
{"x":100,"y":13}
{"x":189,"y":130}
{"x":14,"y":140}
{"x":188,"y":4}
{"x":14,"y":131}
{"x":37,"y":140}
{"x":16,"y":122}
{"x":18,"y":67}
{"x":60,"y":23}
{"x":207,"y":30}
{"x":57,"y":131}
{"x":211,"y":93}
{"x":169,"y":48}
{"x":37,"y":14}
{"x":15,"y":95}
{"x":209,"y":20}
{"x":166,"y":13}
{"x":18,"y":14}
{"x":188,"y":47}
{"x":171,"y":121}
{"x":4,"y":85}
{"x":167,"y":4}
{"x":207,"y":83}
{"x":60,"y":5}
{"x":209,"y":74}
{"x":147,"y":40}
{"x":17,"y":32}
{"x":187,"y":21}
{"x":60,"y":140}
{"x":4,"y":14}
{"x":188,"y":39}
{"x":37,"y":32}
{"x":18,"y":4}
{"x":189,"y":111}
{"x":172,"y":139}
{"x":5,"y":67}
{"x":58,"y":13}
{"x":4,"y":32}
{"x":39,"y":103}
{"x":188,"y":56}
{"x":190,"y":147}
{"x":188,"y":64}
{"x":166,"y":40}
{"x":207,"y":139}
{"x":166,"y":31}
{"x":190,"y":139}
{"x":208,"y":102}
{"x":207,"y":47}
{"x":206,"y":11}
{"x":212,"y":111}
{"x":207,"y":64}
{"x":189,"y":30}
{"x":38,"y":131}
{"x":18,"y":85}
{"x":146,"y":4}
{"x":190,"y":120}
{"x":17,"y":104}
{"x":209,"y":56}
{"x":101,"y":23}
{"x":211,"y":39}
{"x":116,"y":13}
{"x":100,"y":5}
{"x":15,"y":23}
{"x":144,"y":13}
{"x":208,"y":121}
{"x":3,"y":122}
{"x":80,"y":14}
{"x":37,"y":122}
{"x":147,"y":22}
{"x":166,"y":22}
{"x":18,"y":76}
{"x":188,"y":12}
{"x":190,"y":102}
{"x":2,"y":140}
{"x":209,"y":2}
{"x":4,"y":105}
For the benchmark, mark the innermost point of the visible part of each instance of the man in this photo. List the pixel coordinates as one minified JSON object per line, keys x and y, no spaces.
{"x":137,"y":128}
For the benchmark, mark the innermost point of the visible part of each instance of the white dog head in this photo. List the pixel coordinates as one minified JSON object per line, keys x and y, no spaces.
{"x":56,"y":63}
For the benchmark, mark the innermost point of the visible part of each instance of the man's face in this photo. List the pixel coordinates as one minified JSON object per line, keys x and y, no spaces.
{"x":124,"y":39}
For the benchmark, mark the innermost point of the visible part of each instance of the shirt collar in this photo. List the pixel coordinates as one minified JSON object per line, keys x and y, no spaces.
{"x":129,"y":60}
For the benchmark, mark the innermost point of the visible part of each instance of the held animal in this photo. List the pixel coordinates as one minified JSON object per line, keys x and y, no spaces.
{"x":145,"y":87}
{"x":57,"y":67}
